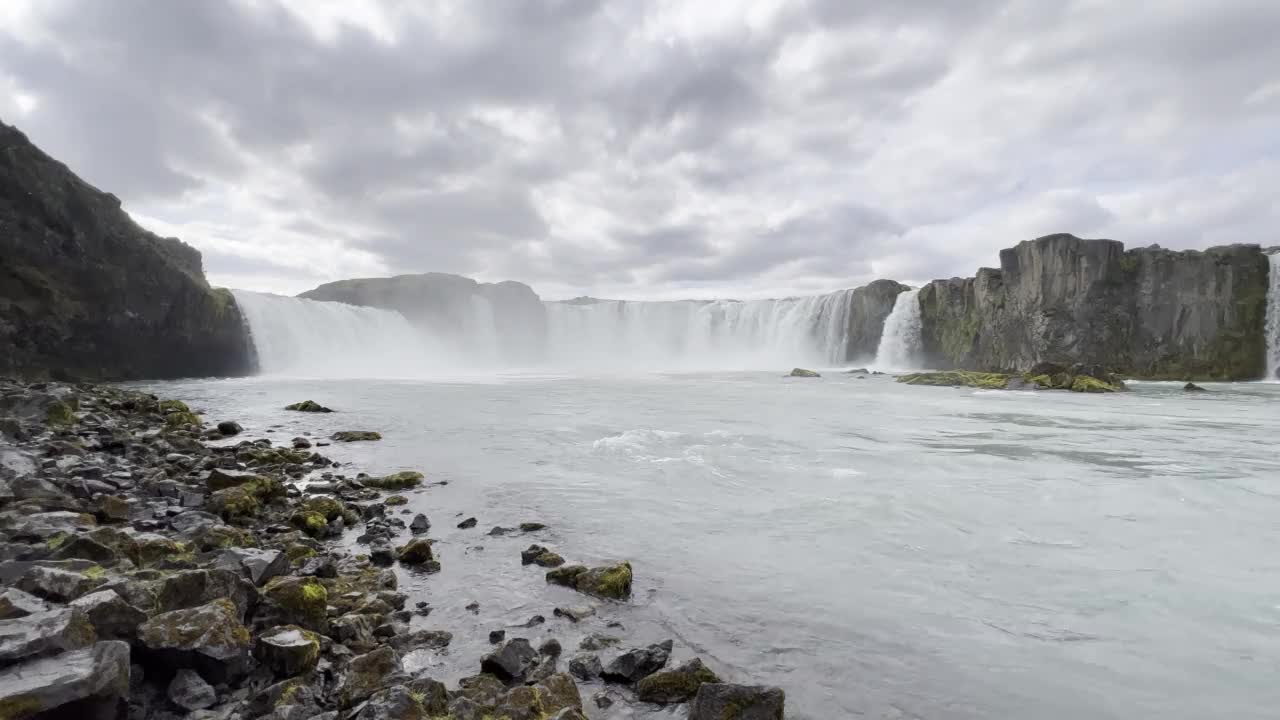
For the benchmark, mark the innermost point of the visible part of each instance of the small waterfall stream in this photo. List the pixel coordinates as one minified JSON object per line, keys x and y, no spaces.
{"x":900,"y":343}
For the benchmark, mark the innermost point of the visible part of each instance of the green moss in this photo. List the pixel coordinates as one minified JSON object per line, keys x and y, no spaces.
{"x":328,"y":507}
{"x":395,"y":481}
{"x":311,"y":523}
{"x":180,"y":419}
{"x":307,"y":406}
{"x":676,"y":685}
{"x":415,"y":552}
{"x":166,"y":406}
{"x":97,"y":572}
{"x":355,"y":436}
{"x":220,"y":537}
{"x":20,"y":707}
{"x":234,"y":504}
{"x":957,"y":378}
{"x":302,"y":601}
{"x":60,"y":413}
{"x":56,"y":541}
{"x":395,"y":500}
{"x":614,"y":582}
{"x":299,"y":554}
{"x":1087,"y":384}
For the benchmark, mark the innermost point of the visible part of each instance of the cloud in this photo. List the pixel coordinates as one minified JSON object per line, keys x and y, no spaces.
{"x":660,"y":149}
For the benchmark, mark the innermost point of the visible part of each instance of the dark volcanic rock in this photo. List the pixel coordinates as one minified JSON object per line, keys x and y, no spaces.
{"x":676,"y":685}
{"x":95,"y":678}
{"x":15,"y":603}
{"x":209,"y":639}
{"x":110,"y":615}
{"x":86,"y":293}
{"x":190,"y":692}
{"x":716,"y":701}
{"x":539,"y":555}
{"x":44,"y":633}
{"x":512,"y":662}
{"x":288,"y":650}
{"x":612,"y":582}
{"x":636,"y":663}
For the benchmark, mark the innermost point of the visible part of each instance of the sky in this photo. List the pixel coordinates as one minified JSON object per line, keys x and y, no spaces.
{"x":655,"y":150}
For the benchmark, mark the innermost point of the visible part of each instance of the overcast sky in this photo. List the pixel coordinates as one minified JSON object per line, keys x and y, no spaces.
{"x":655,"y":149}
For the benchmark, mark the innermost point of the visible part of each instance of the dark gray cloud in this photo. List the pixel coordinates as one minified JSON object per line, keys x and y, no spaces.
{"x":654,"y":149}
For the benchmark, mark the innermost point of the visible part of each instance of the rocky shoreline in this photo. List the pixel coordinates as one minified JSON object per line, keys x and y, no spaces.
{"x":154,"y":567}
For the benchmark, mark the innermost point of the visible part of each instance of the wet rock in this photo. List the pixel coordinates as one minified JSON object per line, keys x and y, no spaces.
{"x":578,"y":613}
{"x":355,"y":630}
{"x":420,"y":524}
{"x":230,"y":427}
{"x":1192,"y":387}
{"x":308,"y":406}
{"x":585,"y":666}
{"x":415,"y":552}
{"x":499,"y":531}
{"x":58,"y":585}
{"x":190,"y":692}
{"x":676,"y":685}
{"x":209,"y":639}
{"x":368,"y":673}
{"x":44,"y":633}
{"x":467,"y":524}
{"x":568,"y":714}
{"x":355,"y":436}
{"x":422,"y":640}
{"x":111,"y":616}
{"x":383,"y":556}
{"x":403,"y":703}
{"x":497,"y":636}
{"x":803,"y":373}
{"x":532,"y":526}
{"x":288,"y":650}
{"x":512,"y":662}
{"x":598,"y":641}
{"x":534,"y":621}
{"x":539,"y":555}
{"x":319,"y":566}
{"x":301,"y":443}
{"x":546,"y":668}
{"x":602,"y":700}
{"x":86,"y":548}
{"x":610,"y":582}
{"x":551,"y":648}
{"x":715,"y":701}
{"x":94,"y":678}
{"x":395,"y":481}
{"x":257,"y":566}
{"x":299,"y":601}
{"x":192,"y":588}
{"x":294,"y":692}
{"x":112,"y":509}
{"x":15,"y":603}
{"x":636,"y":663}
{"x":396,"y":501}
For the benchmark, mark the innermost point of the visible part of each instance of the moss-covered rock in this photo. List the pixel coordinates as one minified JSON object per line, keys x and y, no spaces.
{"x":676,"y":685}
{"x":288,"y":650}
{"x":803,"y":373}
{"x":221,"y":537}
{"x":355,"y":436}
{"x":957,"y":378}
{"x":210,"y":638}
{"x":395,"y":500}
{"x":311,"y":523}
{"x":246,"y":499}
{"x":415,"y":552}
{"x":402,"y":480}
{"x":308,"y":406}
{"x":299,"y":601}
{"x":367,"y":674}
{"x":327,"y":507}
{"x":1034,"y":380}
{"x":181,"y":419}
{"x":60,"y":413}
{"x":611,"y":582}
{"x":539,"y":555}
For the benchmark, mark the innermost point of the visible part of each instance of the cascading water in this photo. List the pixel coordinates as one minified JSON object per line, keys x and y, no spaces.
{"x":1273,"y":319}
{"x":900,"y":342}
{"x":310,"y":338}
{"x":693,"y":335}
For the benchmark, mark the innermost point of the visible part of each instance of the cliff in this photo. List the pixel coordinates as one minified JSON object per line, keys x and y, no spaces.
{"x":1146,"y":312}
{"x":87,"y":293}
{"x":869,"y":307}
{"x":454,"y":306}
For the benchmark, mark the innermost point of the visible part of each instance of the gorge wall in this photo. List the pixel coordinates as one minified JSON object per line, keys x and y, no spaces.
{"x":86,"y":293}
{"x":1146,"y":312}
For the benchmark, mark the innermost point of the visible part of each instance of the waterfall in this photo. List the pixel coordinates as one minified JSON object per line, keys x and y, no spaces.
{"x":313,"y":338}
{"x":900,"y":342}
{"x":1273,"y":318}
{"x":700,"y":335}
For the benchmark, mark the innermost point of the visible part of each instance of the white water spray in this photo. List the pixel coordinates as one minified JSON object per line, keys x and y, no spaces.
{"x":900,"y":342}
{"x":1273,"y":319}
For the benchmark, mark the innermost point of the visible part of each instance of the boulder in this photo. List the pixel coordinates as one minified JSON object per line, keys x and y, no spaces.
{"x":191,"y":588}
{"x":59,"y":585}
{"x":539,"y":555}
{"x":190,"y":692}
{"x":585,"y":666}
{"x":598,"y":641}
{"x":368,"y":673}
{"x":803,"y":373}
{"x":308,"y":406}
{"x":44,"y":633}
{"x":415,"y":552}
{"x":420,"y":524}
{"x":288,"y":650}
{"x":676,"y":685}
{"x":395,"y":501}
{"x":467,"y":524}
{"x":95,"y":678}
{"x":299,"y":601}
{"x":256,"y":566}
{"x":355,"y":630}
{"x":15,"y":603}
{"x":355,"y":436}
{"x":402,"y":480}
{"x":512,"y":662}
{"x":636,"y":663}
{"x":550,"y":648}
{"x":111,"y":616}
{"x":397,"y":703}
{"x":532,"y":526}
{"x":230,"y":427}
{"x":611,"y":582}
{"x":209,"y":639}
{"x":716,"y":701}
{"x":1192,"y":387}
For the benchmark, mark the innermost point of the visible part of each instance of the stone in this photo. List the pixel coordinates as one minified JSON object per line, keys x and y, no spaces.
{"x":568,"y":713}
{"x":288,"y":650}
{"x":577,"y":613}
{"x":716,"y":701}
{"x":395,"y":481}
{"x":499,"y":531}
{"x":308,"y":406}
{"x":301,"y":443}
{"x":539,"y":555}
{"x":355,"y":436}
{"x":81,"y":547}
{"x":422,"y":640}
{"x":551,"y":648}
{"x":299,"y":601}
{"x":321,"y":566}
{"x":368,"y":673}
{"x":256,"y":566}
{"x":209,"y":639}
{"x":96,"y":678}
{"x":415,"y":552}
{"x":1192,"y":387}
{"x":393,"y":703}
{"x":396,"y":501}
{"x":111,"y":616}
{"x":190,"y":692}
{"x":191,"y":588}
{"x":355,"y":630}
{"x":15,"y":603}
{"x":598,"y":641}
{"x":636,"y":663}
{"x":58,"y":585}
{"x":611,"y":582}
{"x":676,"y":685}
{"x":585,"y":666}
{"x":112,"y":509}
{"x":803,"y":373}
{"x":497,"y":636}
{"x":532,"y":526}
{"x":420,"y":524}
{"x":467,"y":524}
{"x":230,"y":427}
{"x":512,"y":662}
{"x":44,"y":633}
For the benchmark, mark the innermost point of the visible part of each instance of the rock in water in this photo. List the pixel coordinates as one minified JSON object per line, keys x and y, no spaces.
{"x":420,"y":524}
{"x":803,"y":373}
{"x":1192,"y":387}
{"x":676,"y":685}
{"x":288,"y":650}
{"x":467,"y":524}
{"x":415,"y":552}
{"x":512,"y":662}
{"x":93,"y":676}
{"x":716,"y":701}
{"x":612,"y":582}
{"x":308,"y":406}
{"x":585,"y":666}
{"x":538,"y":555}
{"x":190,"y":692}
{"x":354,"y":435}
{"x":637,"y":663}
{"x":229,"y":427}
{"x":395,"y":481}
{"x":367,"y":674}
